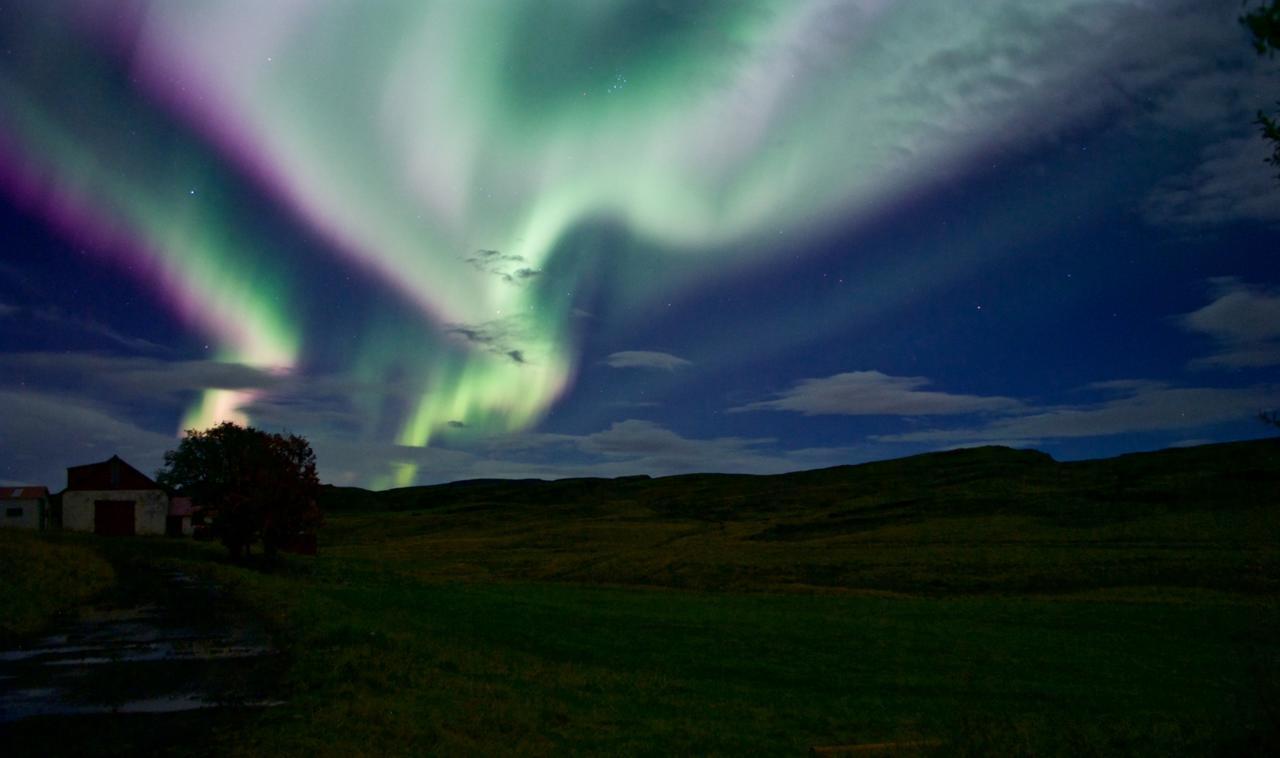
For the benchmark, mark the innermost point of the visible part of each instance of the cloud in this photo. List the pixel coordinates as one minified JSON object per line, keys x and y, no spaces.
{"x":646,"y":359}
{"x":634,"y":404}
{"x":131,"y":376}
{"x":44,"y":433}
{"x":642,"y":447}
{"x":1231,"y":182}
{"x":122,"y":399}
{"x":624,"y":448}
{"x":1131,"y":407}
{"x":1165,"y":68}
{"x":1213,"y":98}
{"x":871,"y":393}
{"x":1244,"y":321}
{"x":153,"y":392}
{"x":505,"y":337}
{"x":506,"y":267}
{"x":57,"y":317}
{"x":645,"y":438}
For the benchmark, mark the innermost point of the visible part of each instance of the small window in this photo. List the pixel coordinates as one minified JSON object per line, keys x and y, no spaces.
{"x":13,"y":512}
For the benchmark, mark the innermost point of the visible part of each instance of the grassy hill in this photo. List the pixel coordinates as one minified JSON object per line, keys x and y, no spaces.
{"x":979,"y":480}
{"x":986,"y":519}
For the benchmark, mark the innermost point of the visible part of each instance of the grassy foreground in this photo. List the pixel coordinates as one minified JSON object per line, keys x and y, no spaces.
{"x":980,"y":602}
{"x":39,"y":578}
{"x":388,"y":665}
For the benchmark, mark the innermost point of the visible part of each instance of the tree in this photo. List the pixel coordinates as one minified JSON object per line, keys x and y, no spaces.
{"x":254,"y":485}
{"x":1264,"y":24}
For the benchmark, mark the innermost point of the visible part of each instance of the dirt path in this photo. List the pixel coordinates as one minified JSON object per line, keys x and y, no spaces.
{"x":174,"y":645}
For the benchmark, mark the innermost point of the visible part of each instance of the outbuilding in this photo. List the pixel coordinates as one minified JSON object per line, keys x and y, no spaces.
{"x":113,"y":498}
{"x":24,"y":507}
{"x":181,"y":510}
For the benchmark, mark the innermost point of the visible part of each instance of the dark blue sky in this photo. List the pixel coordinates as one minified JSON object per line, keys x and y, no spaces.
{"x":846,"y":231}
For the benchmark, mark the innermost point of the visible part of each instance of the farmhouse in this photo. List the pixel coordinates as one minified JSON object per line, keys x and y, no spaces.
{"x":113,"y":497}
{"x":24,"y":507}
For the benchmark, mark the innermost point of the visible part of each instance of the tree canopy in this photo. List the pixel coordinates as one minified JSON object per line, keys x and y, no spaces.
{"x":254,"y":485}
{"x":1264,"y":24}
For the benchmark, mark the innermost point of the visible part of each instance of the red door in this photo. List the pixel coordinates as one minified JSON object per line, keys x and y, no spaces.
{"x":114,"y":517}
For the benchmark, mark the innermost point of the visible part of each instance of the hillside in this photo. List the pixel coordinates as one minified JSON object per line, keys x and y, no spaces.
{"x":973,"y":480}
{"x":973,"y":520}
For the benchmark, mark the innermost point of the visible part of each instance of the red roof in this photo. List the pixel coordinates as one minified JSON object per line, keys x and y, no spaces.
{"x":23,"y":493}
{"x":111,"y":474}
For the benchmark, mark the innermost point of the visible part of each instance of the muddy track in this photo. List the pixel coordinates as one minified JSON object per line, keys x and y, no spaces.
{"x":175,"y":645}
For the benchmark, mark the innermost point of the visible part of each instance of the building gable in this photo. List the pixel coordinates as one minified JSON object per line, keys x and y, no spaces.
{"x":111,"y":474}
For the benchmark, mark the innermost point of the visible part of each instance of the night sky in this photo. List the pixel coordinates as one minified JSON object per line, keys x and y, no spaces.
{"x":471,"y":239}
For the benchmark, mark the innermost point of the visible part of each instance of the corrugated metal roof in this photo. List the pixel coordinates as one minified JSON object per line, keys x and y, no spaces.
{"x":23,"y":493}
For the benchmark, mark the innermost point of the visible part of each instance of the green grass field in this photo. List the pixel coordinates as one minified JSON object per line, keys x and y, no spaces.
{"x":984,"y":601}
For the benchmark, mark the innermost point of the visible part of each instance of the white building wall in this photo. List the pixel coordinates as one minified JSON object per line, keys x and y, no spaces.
{"x":149,"y":510}
{"x":77,"y":510}
{"x":29,"y":518}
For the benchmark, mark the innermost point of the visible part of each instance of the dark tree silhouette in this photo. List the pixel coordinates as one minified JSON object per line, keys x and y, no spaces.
{"x":254,"y":485}
{"x":1270,"y":418}
{"x":1264,"y":24}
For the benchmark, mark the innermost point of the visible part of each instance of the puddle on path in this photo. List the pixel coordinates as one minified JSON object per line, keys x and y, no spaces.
{"x":187,"y":652}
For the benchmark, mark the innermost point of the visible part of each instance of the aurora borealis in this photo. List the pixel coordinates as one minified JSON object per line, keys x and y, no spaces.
{"x":450,"y":239}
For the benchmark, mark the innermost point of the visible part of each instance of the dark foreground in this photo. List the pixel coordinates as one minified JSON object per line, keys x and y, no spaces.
{"x":977,"y":602}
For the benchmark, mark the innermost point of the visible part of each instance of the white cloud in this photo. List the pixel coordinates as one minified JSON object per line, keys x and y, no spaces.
{"x":1139,"y":407}
{"x":646,"y":359}
{"x":644,"y":439}
{"x":871,"y":393}
{"x":1244,"y":321}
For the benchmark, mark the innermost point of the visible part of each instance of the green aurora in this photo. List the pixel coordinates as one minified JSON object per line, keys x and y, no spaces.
{"x":450,"y":150}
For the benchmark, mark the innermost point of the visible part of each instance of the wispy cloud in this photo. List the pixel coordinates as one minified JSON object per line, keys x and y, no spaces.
{"x":646,"y":359}
{"x":59,"y":318}
{"x":510,"y":268}
{"x":44,"y":433}
{"x":130,"y":376}
{"x":504,"y":337}
{"x":91,"y":326}
{"x":871,"y":393}
{"x":643,"y":447}
{"x":1244,"y":322}
{"x":1129,"y":407}
{"x":1231,"y":182}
